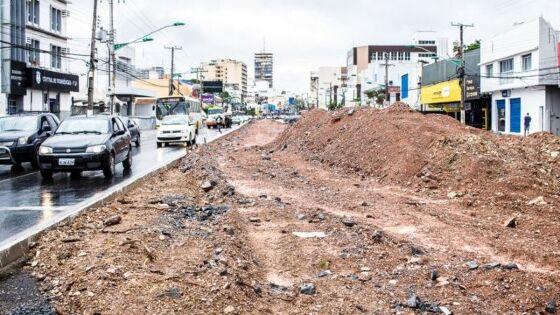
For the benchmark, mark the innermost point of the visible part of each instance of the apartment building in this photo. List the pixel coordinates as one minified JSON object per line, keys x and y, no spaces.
{"x":232,"y":73}
{"x":264,"y":68}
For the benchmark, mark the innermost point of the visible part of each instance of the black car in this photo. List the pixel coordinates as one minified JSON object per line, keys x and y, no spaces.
{"x":133,"y":128}
{"x":86,"y":144}
{"x":21,"y":137}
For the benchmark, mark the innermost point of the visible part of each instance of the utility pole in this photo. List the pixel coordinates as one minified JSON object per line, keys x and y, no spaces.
{"x":387,"y":65}
{"x":113,"y":56}
{"x":171,"y":79}
{"x":199,"y":77}
{"x":92,"y":60}
{"x":462,"y":71}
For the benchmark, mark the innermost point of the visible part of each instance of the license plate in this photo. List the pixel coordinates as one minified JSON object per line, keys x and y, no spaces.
{"x":66,"y":162}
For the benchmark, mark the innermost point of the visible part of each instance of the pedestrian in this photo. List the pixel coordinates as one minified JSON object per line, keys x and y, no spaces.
{"x":527,"y":124}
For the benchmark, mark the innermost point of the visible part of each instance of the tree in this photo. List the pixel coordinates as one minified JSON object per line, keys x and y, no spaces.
{"x":334,"y":106}
{"x":378,"y":96}
{"x":471,"y":46}
{"x":226,"y":98}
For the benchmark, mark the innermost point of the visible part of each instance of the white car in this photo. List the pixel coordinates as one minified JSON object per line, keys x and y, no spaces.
{"x":176,"y":129}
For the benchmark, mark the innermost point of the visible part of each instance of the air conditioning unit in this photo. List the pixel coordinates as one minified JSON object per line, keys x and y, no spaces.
{"x":28,"y":41}
{"x":65,"y":13}
{"x":65,"y":51}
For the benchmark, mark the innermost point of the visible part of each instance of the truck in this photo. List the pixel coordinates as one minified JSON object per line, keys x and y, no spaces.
{"x":218,"y":118}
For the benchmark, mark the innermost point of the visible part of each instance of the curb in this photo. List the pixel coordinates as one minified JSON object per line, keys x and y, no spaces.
{"x":22,"y":244}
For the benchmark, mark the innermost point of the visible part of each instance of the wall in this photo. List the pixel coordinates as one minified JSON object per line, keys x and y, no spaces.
{"x":548,"y":57}
{"x":553,"y":104}
{"x":531,"y":100}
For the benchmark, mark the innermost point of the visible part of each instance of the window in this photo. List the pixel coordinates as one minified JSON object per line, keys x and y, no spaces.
{"x":527,"y":62}
{"x":34,"y":52}
{"x":426,"y":42}
{"x":33,"y":11}
{"x":374,"y":56}
{"x":489,"y":70}
{"x":506,"y":68}
{"x":393,"y":55}
{"x":407,"y":55}
{"x":401,"y":56}
{"x":56,"y":19}
{"x":56,"y":57}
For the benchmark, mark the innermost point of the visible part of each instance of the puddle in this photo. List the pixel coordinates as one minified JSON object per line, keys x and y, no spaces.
{"x":310,"y":234}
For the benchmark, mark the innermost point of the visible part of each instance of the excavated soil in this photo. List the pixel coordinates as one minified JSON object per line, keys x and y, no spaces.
{"x":339,"y":214}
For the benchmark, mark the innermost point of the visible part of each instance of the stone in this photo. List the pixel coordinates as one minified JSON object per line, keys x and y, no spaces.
{"x":539,"y":201}
{"x":71,"y":239}
{"x":173,"y":293}
{"x":434,"y":275}
{"x":511,"y":223}
{"x":228,"y":310}
{"x":112,"y":221}
{"x":472,"y":265}
{"x":445,"y":310}
{"x":208,"y":185}
{"x":307,"y":289}
{"x":364,"y":277}
{"x":324,"y":273}
{"x":365,"y":204}
{"x":551,"y":307}
{"x":349,"y":222}
{"x":492,"y":265}
{"x":301,"y":216}
{"x":265,"y":157}
{"x":218,"y":251}
{"x":254,"y":220}
{"x":413,"y":301}
{"x":377,"y":236}
{"x":510,"y":266}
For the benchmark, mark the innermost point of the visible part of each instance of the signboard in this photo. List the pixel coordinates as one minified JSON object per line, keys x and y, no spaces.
{"x":445,"y":92}
{"x":213,"y":86}
{"x":208,"y":98}
{"x":18,"y":78}
{"x":54,"y":81}
{"x":472,"y":88}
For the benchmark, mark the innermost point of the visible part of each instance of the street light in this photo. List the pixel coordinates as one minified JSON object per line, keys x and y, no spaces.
{"x":147,"y":38}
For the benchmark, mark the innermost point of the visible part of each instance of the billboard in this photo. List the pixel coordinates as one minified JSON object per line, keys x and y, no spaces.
{"x":445,"y":92}
{"x":208,"y":98}
{"x":212,"y":86}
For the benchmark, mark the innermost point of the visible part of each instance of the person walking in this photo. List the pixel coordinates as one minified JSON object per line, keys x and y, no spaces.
{"x":527,"y":124}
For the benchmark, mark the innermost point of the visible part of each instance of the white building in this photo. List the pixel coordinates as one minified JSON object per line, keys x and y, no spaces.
{"x":519,"y":68}
{"x":332,"y":85}
{"x":36,"y":78}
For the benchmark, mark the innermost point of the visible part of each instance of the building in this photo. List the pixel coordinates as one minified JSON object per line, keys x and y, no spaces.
{"x":367,"y":66}
{"x":314,"y":89}
{"x":35,"y":69}
{"x":232,"y":73}
{"x":151,"y":73}
{"x":441,"y":90}
{"x":331,"y":85}
{"x":520,"y":69}
{"x":264,"y":68}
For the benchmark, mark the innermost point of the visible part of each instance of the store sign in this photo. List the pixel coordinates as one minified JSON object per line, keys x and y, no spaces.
{"x":472,"y":88}
{"x":213,"y":86}
{"x":445,"y":92}
{"x":54,"y":81}
{"x":18,"y":78}
{"x":208,"y":98}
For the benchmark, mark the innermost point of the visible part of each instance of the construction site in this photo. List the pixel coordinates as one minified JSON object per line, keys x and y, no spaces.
{"x":356,"y":211}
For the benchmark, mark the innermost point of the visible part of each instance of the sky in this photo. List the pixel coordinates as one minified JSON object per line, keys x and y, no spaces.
{"x":302,"y":34}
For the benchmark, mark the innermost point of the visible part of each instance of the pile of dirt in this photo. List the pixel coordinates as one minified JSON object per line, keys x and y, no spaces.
{"x":431,"y":152}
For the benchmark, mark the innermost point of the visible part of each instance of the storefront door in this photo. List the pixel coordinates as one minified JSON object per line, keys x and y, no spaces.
{"x":501,"y":121}
{"x":515,"y":115}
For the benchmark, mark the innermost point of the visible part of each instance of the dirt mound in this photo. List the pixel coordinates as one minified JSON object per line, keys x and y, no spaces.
{"x":432,"y":152}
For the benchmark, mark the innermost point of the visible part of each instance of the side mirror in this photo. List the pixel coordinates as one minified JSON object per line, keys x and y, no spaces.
{"x":119,"y":133}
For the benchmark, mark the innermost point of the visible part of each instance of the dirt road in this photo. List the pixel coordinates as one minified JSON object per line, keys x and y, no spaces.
{"x":245,"y":226}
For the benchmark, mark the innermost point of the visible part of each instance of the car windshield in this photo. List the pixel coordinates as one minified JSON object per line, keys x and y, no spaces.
{"x":174,"y":120}
{"x":18,"y":124}
{"x":77,"y":126}
{"x":214,"y":111}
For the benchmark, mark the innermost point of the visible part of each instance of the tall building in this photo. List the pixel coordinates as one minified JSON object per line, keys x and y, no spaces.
{"x":232,"y":73}
{"x":264,"y":68}
{"x":35,"y":78}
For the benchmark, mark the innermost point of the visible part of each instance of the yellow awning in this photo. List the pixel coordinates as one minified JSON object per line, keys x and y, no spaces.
{"x":445,"y":92}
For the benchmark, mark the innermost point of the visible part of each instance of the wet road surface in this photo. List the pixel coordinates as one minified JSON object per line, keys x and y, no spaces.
{"x":27,"y":201}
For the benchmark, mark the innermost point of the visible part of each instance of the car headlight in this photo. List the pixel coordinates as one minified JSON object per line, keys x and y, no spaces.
{"x":96,"y":149}
{"x":23,"y":140}
{"x":45,"y":150}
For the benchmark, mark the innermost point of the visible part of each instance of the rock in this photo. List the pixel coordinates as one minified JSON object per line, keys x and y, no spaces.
{"x":324,"y":273}
{"x":300,"y":216}
{"x":510,"y":266}
{"x":472,"y":265}
{"x":551,"y":307}
{"x":511,"y":223}
{"x":208,"y":185}
{"x":365,"y":204}
{"x":254,"y":220}
{"x":452,"y":195}
{"x":539,"y":201}
{"x":417,"y":260}
{"x":307,"y":288}
{"x":277,"y":199}
{"x":112,"y":221}
{"x":554,"y":154}
{"x":173,"y":293}
{"x":413,"y":301}
{"x":445,"y":310}
{"x":218,"y":251}
{"x":265,"y":157}
{"x":492,"y":265}
{"x":434,"y":275}
{"x":349,"y":222}
{"x":71,"y":239}
{"x":377,"y":236}
{"x":228,"y":310}
{"x":364,"y":277}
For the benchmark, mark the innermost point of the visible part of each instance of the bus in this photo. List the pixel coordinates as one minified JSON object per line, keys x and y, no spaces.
{"x":180,"y":105}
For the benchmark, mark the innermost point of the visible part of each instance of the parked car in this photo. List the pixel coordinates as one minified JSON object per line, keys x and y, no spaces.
{"x":86,"y":144}
{"x":176,"y":129}
{"x":134,"y":129}
{"x":21,"y":137}
{"x":217,"y":117}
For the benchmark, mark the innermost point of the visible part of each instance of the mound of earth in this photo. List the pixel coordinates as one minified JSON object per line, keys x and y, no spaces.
{"x":431,"y":152}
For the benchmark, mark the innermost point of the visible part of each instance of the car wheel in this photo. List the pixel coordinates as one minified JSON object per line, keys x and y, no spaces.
{"x":159,"y":144}
{"x":137,"y":142}
{"x":76,"y":175}
{"x":35,"y":163}
{"x":127,"y":164}
{"x":47,"y":174}
{"x":109,"y":168}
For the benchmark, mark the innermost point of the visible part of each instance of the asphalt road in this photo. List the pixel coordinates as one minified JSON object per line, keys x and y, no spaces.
{"x":27,"y":201}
